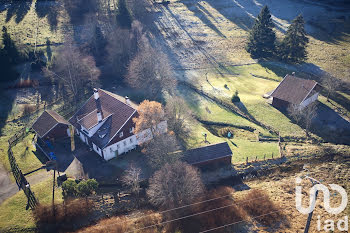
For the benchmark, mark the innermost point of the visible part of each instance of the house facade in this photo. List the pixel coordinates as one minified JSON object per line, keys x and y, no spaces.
{"x":296,"y":91}
{"x":105,"y":124}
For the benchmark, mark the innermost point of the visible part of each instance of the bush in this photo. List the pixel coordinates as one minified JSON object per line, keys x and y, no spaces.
{"x":235,"y":98}
{"x":258,"y":203}
{"x":69,"y":188}
{"x":84,"y":188}
{"x":28,"y":109}
{"x":48,"y":217}
{"x":211,"y":219}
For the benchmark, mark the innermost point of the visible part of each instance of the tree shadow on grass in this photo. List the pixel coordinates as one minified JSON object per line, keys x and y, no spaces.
{"x":50,"y":10}
{"x":19,"y":10}
{"x":328,"y":125}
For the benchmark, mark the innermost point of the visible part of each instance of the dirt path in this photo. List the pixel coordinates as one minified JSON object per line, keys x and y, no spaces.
{"x":9,"y":188}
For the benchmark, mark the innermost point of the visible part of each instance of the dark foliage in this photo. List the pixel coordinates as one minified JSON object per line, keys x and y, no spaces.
{"x":261,"y":42}
{"x":293,"y":46}
{"x":9,"y":57}
{"x":235,"y":98}
{"x":124,"y":18}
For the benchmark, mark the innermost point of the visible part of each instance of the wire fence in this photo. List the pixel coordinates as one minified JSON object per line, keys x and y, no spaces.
{"x":21,"y":181}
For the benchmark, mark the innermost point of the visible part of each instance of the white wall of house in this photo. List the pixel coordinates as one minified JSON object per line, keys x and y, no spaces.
{"x":122,"y":147}
{"x":309,"y":100}
{"x":97,"y":149}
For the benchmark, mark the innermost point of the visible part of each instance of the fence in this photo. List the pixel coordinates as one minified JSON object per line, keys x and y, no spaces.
{"x":16,"y":171}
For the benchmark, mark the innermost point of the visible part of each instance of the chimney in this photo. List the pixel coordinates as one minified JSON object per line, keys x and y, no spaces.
{"x":127,"y":100}
{"x":99,"y":116}
{"x":96,"y":95}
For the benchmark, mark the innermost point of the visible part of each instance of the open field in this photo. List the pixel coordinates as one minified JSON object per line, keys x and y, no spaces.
{"x":14,"y":216}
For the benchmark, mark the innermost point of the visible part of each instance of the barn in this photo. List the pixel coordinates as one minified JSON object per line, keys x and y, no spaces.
{"x":51,"y":126}
{"x":207,"y":156}
{"x":296,"y":91}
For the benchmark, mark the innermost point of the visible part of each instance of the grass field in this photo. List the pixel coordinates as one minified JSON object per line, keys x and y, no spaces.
{"x":29,"y":25}
{"x":13,"y":214}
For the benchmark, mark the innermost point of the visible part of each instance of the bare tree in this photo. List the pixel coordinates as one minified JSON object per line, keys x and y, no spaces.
{"x":178,"y":115}
{"x":151,"y":71}
{"x":331,"y":84}
{"x":309,"y":113}
{"x":161,"y":150}
{"x":132,"y":178}
{"x":295,"y":112}
{"x":73,"y":69}
{"x":175,"y":185}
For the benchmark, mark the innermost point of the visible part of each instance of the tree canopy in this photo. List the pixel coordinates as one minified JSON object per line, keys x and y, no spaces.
{"x":261,"y":42}
{"x":293,"y":46}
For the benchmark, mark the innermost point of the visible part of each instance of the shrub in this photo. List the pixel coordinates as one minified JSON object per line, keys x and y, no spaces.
{"x":28,"y":109}
{"x":221,"y":198}
{"x":92,"y":184}
{"x":48,"y":217}
{"x":69,"y":188}
{"x":258,"y":203}
{"x":235,"y":98}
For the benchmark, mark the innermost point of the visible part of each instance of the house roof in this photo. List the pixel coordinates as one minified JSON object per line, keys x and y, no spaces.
{"x":293,"y":89}
{"x":47,"y":121}
{"x":115,"y":112}
{"x":207,"y":153}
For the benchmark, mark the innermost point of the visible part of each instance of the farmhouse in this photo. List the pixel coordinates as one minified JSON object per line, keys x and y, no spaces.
{"x":294,"y":90}
{"x":215,"y":154}
{"x":105,"y":124}
{"x":50,"y":125}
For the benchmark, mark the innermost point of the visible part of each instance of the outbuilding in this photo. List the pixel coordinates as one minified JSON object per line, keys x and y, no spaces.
{"x":206,"y":156}
{"x":51,"y":126}
{"x":296,"y":91}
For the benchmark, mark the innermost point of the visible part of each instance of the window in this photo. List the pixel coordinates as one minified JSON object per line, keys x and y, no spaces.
{"x":124,"y":143}
{"x":130,"y":140}
{"x":121,"y":134}
{"x":111,"y":150}
{"x":117,"y":146}
{"x":131,"y":130}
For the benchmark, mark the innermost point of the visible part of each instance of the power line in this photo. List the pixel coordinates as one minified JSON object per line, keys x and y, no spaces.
{"x":191,"y":215}
{"x":230,"y":224}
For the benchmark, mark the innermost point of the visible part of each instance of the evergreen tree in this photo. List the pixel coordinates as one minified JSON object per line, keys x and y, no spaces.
{"x":262,"y":38}
{"x":9,"y":48}
{"x":124,"y":18}
{"x":9,"y":56}
{"x":98,"y":44}
{"x":293,"y":46}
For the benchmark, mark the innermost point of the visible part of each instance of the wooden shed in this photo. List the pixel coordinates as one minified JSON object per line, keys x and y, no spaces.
{"x":51,"y":125}
{"x":215,"y":154}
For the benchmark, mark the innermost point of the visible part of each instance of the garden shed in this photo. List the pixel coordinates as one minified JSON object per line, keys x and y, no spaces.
{"x":215,"y":154}
{"x":50,"y":125}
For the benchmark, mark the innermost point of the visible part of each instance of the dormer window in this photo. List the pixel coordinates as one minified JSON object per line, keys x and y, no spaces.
{"x":102,"y":135}
{"x":121,"y":134}
{"x":131,"y":130}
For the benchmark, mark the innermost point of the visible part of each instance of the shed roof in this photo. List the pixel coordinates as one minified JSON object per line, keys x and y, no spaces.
{"x":293,"y":89}
{"x":207,"y":153}
{"x":47,"y":121}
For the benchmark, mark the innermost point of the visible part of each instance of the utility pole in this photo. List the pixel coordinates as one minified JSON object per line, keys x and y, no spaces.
{"x":309,"y":218}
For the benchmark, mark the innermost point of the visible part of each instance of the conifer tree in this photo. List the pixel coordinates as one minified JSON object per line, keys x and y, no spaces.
{"x":9,"y":56}
{"x":262,"y":38}
{"x":293,"y":46}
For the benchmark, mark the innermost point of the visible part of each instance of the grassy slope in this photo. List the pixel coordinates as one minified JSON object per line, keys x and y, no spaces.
{"x":13,"y":214}
{"x":32,"y":28}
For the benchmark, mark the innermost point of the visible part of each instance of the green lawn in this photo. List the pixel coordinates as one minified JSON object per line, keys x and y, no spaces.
{"x":24,"y":154}
{"x":13,"y":215}
{"x":250,"y":90}
{"x":242,"y":147}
